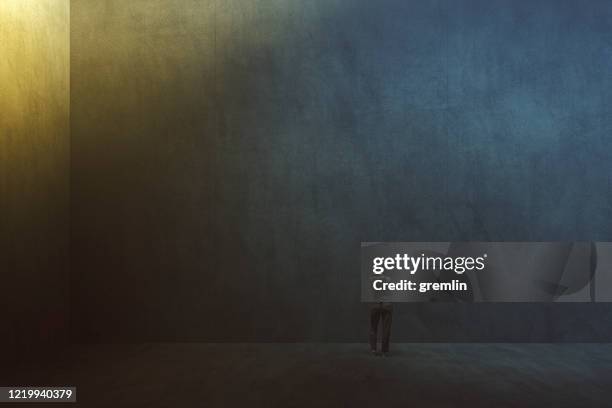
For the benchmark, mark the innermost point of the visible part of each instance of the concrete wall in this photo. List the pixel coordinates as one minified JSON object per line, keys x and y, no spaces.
{"x":230,"y":155}
{"x":34,"y":174}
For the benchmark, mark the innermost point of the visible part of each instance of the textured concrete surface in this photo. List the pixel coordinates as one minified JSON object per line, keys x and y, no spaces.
{"x":34,"y":173}
{"x":331,"y":375}
{"x":229,"y":156}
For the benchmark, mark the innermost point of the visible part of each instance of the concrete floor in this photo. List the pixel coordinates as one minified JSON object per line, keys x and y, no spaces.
{"x":330,"y":375}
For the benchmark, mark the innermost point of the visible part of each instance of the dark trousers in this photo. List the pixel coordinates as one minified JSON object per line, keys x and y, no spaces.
{"x":378,"y":313}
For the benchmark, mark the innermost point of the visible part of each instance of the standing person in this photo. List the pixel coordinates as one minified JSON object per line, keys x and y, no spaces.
{"x":381,"y":311}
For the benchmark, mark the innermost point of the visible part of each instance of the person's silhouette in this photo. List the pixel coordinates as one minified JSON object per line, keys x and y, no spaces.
{"x":381,"y":312}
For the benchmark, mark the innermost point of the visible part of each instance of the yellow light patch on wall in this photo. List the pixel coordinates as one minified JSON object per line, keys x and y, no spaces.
{"x":34,"y":68}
